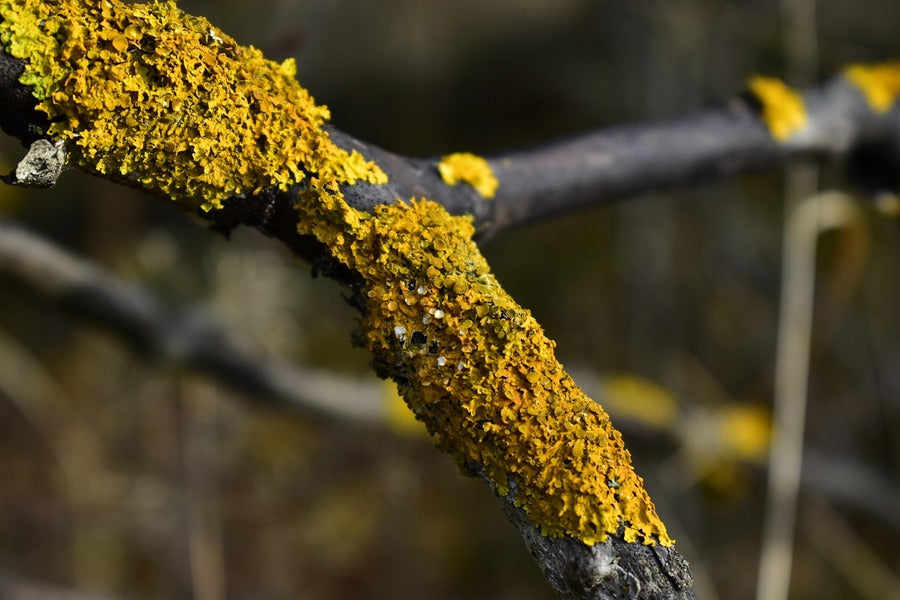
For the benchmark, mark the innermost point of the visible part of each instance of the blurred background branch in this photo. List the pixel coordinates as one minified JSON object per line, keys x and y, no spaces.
{"x":17,"y":588}
{"x":181,"y":338}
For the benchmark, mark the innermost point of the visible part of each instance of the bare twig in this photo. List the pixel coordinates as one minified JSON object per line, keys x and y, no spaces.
{"x":625,"y":161}
{"x":852,"y":484}
{"x":180,"y":337}
{"x":842,"y":547}
{"x":805,"y":221}
{"x":794,"y":328}
{"x":18,"y":588}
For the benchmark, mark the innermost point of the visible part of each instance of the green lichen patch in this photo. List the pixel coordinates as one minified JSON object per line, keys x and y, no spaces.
{"x":469,"y":168}
{"x":205,"y":117}
{"x":479,"y":371}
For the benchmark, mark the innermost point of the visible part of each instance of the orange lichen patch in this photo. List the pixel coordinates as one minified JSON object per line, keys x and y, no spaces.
{"x":880,"y":83}
{"x":783,"y":109}
{"x":478,"y":370}
{"x":205,"y":118}
{"x":471,"y":169}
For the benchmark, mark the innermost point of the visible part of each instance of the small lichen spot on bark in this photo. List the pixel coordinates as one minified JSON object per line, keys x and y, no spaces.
{"x":469,"y":168}
{"x":783,"y":109}
{"x":879,"y":83}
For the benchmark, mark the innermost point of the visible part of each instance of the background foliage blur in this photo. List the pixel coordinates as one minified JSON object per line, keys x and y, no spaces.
{"x":126,"y":479}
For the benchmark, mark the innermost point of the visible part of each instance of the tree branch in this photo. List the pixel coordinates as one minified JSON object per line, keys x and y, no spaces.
{"x":183,"y":337}
{"x":13,"y":587}
{"x":230,"y":136}
{"x":611,"y":164}
{"x":717,"y":143}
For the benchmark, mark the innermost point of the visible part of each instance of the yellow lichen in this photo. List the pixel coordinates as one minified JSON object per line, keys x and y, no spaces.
{"x":880,"y":83}
{"x":479,"y":371}
{"x":471,"y":169}
{"x":783,"y":109}
{"x":205,"y":117}
{"x":170,"y":102}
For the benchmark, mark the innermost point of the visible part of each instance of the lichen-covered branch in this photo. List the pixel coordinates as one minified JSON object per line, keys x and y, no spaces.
{"x":473,"y":365}
{"x":212,"y":124}
{"x":210,"y":121}
{"x":221,"y":131}
{"x":850,"y":120}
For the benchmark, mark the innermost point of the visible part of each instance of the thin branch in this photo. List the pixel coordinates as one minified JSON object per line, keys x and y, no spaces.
{"x":181,"y":337}
{"x":795,"y":318}
{"x":853,"y":485}
{"x":13,"y":587}
{"x":842,"y":547}
{"x":806,"y":219}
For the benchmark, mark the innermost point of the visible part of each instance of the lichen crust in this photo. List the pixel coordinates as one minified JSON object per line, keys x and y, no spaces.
{"x":469,"y":168}
{"x":478,"y":370}
{"x":472,"y":364}
{"x":206,"y":118}
{"x":879,"y":83}
{"x":783,"y":108}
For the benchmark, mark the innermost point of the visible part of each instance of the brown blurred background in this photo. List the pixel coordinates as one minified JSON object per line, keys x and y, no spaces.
{"x":124,"y":479}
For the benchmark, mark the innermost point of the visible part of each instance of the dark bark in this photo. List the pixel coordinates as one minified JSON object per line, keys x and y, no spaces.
{"x":610,"y":570}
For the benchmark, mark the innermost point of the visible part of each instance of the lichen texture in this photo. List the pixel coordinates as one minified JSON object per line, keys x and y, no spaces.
{"x":481,"y":374}
{"x":207,"y":119}
{"x":783,"y":109}
{"x":880,"y":83}
{"x":469,"y":168}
